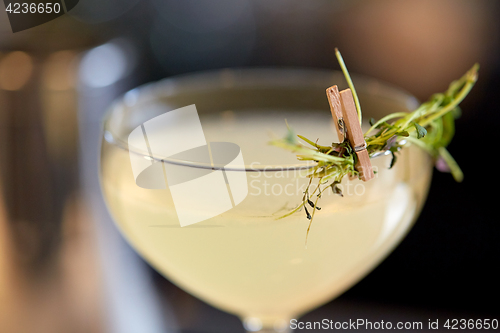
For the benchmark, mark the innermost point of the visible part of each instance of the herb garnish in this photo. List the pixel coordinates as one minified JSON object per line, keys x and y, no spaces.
{"x":431,"y":127}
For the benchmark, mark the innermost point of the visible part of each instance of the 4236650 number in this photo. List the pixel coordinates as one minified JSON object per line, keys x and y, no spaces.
{"x":472,"y":324}
{"x":24,"y":8}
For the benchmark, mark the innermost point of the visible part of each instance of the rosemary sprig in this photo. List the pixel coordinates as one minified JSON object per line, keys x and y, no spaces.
{"x":343,"y":67}
{"x":431,"y":127}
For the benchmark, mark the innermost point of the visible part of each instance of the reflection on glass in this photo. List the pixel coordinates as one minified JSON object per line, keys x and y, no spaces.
{"x":15,"y":70}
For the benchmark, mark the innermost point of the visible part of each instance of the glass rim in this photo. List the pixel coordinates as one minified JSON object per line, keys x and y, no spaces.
{"x":246,"y":77}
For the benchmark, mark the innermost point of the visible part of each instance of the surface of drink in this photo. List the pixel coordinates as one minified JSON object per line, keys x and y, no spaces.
{"x":247,"y":261}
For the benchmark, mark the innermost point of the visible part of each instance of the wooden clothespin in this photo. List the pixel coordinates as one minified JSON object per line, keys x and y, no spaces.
{"x":336,"y":108}
{"x":348,"y":124}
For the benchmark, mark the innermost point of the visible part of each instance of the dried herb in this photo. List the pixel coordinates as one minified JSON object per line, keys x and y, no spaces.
{"x":430,"y":127}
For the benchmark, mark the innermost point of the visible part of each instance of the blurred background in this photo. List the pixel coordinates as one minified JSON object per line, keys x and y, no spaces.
{"x":63,"y":265}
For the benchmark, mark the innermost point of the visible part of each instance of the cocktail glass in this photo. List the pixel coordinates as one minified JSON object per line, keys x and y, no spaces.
{"x":207,"y":216}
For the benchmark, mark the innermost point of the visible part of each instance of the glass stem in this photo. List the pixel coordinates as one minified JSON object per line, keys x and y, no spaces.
{"x":266,"y":325}
{"x":271,"y":330}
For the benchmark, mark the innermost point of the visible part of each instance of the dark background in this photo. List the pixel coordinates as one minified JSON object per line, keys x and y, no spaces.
{"x":449,"y":261}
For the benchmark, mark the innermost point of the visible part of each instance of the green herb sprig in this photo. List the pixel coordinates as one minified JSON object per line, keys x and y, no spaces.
{"x":431,"y":127}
